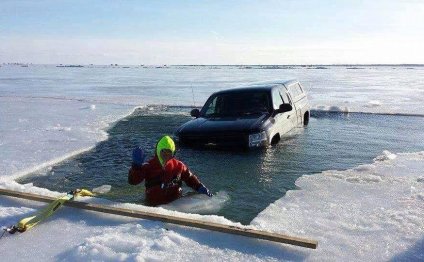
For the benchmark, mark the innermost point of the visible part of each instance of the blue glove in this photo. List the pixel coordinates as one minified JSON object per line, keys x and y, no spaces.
{"x":203,"y":190}
{"x":138,"y":156}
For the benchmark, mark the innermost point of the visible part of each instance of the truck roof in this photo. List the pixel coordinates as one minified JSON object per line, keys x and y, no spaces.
{"x":260,"y":86}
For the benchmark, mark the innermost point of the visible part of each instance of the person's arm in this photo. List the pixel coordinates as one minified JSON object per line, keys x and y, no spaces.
{"x":192,"y":181}
{"x":136,"y":174}
{"x":137,"y":171}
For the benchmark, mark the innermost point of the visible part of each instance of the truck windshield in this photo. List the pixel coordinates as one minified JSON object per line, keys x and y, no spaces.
{"x":237,"y":104}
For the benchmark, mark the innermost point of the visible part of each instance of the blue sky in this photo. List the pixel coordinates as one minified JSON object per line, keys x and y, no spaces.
{"x":212,"y":32}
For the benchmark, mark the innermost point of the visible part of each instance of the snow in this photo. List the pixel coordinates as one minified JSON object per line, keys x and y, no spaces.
{"x":52,"y":130}
{"x":371,"y":212}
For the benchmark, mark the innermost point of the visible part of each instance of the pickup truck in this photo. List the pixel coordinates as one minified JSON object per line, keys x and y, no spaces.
{"x":252,"y":116}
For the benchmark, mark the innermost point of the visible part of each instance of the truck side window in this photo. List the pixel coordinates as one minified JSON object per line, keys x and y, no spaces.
{"x":212,"y":107}
{"x":299,"y":87}
{"x":286,"y":99}
{"x":276,"y":98}
{"x":292,"y":91}
{"x":295,"y":90}
{"x":290,"y":102}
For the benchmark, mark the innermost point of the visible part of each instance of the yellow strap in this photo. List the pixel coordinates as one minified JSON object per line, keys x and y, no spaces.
{"x":83,"y":192}
{"x":30,"y":222}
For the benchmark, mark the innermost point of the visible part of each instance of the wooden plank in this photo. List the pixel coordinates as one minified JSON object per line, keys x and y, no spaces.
{"x":297,"y":241}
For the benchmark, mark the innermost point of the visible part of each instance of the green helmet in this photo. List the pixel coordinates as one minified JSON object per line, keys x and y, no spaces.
{"x":165,"y":142}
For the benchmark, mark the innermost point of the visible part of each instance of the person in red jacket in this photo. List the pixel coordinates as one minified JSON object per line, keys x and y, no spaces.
{"x":163,"y":174}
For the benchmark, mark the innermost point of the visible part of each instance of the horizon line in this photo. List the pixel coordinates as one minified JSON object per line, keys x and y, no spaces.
{"x":188,"y":65}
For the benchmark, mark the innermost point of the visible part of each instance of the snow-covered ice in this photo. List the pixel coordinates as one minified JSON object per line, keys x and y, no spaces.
{"x":371,"y":212}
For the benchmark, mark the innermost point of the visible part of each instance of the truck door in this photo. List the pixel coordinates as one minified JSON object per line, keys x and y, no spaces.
{"x":292,"y":115}
{"x":293,"y":92}
{"x":282,"y":124}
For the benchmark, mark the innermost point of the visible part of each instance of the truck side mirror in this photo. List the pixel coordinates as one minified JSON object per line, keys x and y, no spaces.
{"x":195,"y":113}
{"x":284,"y":108}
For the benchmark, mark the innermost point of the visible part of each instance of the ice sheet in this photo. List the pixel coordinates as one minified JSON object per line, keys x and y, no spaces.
{"x":372,"y":212}
{"x":36,"y":133}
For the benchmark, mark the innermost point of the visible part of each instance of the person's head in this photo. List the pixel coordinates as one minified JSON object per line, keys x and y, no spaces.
{"x":166,"y":155}
{"x":165,"y":149}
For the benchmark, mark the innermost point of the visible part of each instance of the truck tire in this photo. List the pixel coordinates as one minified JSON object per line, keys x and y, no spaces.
{"x":275,"y":139}
{"x":306,"y":118}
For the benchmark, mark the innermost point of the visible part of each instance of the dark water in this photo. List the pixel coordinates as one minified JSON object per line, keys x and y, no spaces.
{"x":253,"y":179}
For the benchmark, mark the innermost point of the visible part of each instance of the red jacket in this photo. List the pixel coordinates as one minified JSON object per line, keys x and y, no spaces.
{"x":163,"y":185}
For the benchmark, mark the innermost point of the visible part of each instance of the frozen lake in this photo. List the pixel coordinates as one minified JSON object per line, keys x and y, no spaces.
{"x":252,"y":180}
{"x":378,"y":89}
{"x":61,"y":122}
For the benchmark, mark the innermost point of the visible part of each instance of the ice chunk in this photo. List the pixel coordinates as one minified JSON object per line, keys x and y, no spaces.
{"x":386,"y":156}
{"x":373,"y":103}
{"x":199,"y":203}
{"x":333,"y":109}
{"x":27,"y":186}
{"x":102,"y":189}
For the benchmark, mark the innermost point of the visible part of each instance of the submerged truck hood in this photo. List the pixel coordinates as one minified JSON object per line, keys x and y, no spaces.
{"x":203,"y":125}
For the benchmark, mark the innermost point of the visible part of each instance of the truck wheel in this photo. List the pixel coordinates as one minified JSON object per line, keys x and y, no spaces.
{"x":275,"y":139}
{"x":306,"y":118}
